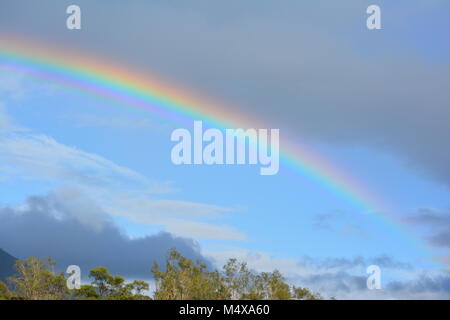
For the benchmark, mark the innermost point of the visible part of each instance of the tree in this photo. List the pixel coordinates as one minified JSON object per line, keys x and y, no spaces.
{"x":238,"y":279}
{"x":184,"y":279}
{"x":4,"y":291}
{"x":274,"y":286}
{"x":36,"y":280}
{"x":87,"y":292}
{"x":181,"y":279}
{"x":305,"y":294}
{"x":244,"y":284}
{"x":108,"y":287}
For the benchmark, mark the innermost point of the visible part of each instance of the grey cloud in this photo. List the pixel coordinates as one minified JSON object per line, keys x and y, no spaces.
{"x":55,"y":225}
{"x":383,"y":261}
{"x":343,"y":278}
{"x":340,"y":222}
{"x":323,"y":221}
{"x":436,"y":224}
{"x":338,"y":283}
{"x":344,"y":285}
{"x":424,"y":285}
{"x":442,"y":239}
{"x":346,"y":278}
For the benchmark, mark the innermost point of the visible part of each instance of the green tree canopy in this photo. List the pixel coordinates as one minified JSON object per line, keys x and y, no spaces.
{"x":37,"y":280}
{"x":180,"y":279}
{"x":108,"y":287}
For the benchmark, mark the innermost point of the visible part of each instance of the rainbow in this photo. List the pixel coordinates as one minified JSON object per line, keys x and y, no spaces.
{"x":155,"y":95}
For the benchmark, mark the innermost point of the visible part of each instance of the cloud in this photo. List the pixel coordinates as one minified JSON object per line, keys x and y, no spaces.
{"x":345,"y":278}
{"x":306,"y":265}
{"x":16,"y":84}
{"x":71,"y":229}
{"x":437,"y":224}
{"x":339,"y":222}
{"x":382,"y":261}
{"x":424,"y":287}
{"x":120,"y":190}
{"x":6,"y":123}
{"x":180,"y":217}
{"x":35,"y":155}
{"x":323,"y":221}
{"x":203,"y":230}
{"x":11,"y":83}
{"x":344,"y":285}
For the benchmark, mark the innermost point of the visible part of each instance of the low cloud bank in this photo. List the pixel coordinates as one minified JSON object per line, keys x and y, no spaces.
{"x":73,"y":230}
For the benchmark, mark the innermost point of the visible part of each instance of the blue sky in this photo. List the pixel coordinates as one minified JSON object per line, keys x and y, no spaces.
{"x":372,"y":102}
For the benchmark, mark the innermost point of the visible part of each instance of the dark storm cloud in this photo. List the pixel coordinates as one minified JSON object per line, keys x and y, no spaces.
{"x":70,"y":233}
{"x":310,"y":66}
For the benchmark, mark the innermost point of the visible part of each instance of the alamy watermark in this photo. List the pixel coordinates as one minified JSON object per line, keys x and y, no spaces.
{"x":374,"y":279}
{"x":73,"y":21}
{"x":74,"y":279}
{"x":234,"y":146}
{"x":374,"y":20}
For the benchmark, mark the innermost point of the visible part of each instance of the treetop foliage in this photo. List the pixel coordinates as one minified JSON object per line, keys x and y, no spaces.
{"x":181,"y":279}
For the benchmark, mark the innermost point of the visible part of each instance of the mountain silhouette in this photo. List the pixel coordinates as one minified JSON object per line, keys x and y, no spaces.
{"x":6,"y":265}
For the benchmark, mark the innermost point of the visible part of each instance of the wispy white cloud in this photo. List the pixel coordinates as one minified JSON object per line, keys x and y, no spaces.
{"x":11,"y":83}
{"x":184,"y":218}
{"x":117,"y":189}
{"x":6,"y":123}
{"x":35,"y":155}
{"x":17,"y":85}
{"x":203,"y":230}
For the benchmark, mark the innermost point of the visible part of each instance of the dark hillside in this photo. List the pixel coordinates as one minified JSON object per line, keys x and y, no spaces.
{"x":6,"y":265}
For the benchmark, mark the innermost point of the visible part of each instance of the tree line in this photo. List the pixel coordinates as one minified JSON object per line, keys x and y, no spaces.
{"x":180,"y":279}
